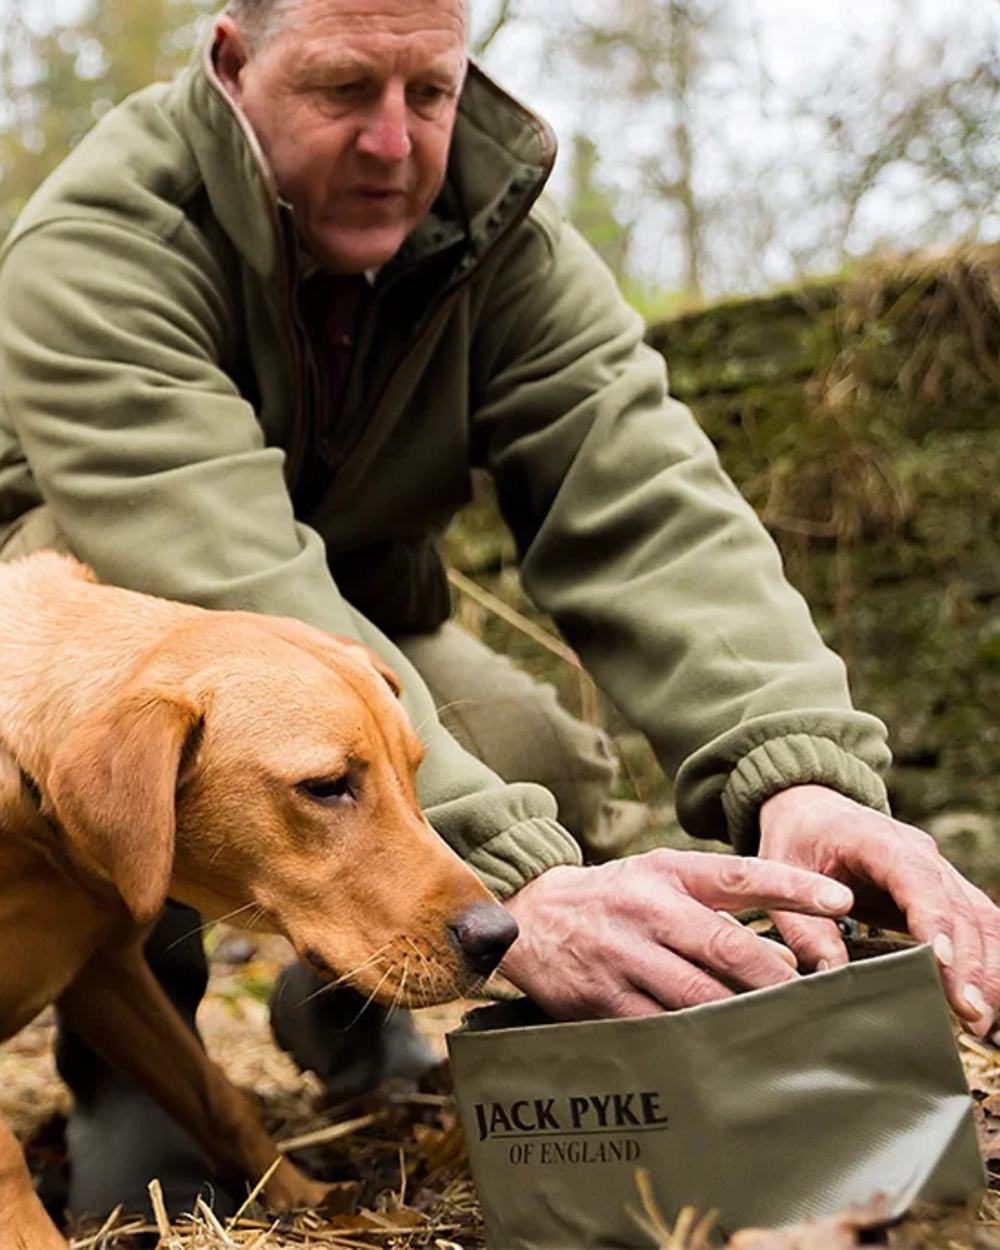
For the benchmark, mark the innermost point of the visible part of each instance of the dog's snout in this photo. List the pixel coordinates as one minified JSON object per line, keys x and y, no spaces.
{"x":484,"y":933}
{"x":317,"y":962}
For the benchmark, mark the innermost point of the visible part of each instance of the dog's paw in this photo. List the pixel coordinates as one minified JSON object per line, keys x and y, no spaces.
{"x":291,"y":1190}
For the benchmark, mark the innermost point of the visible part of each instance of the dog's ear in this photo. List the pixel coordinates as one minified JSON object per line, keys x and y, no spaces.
{"x":112,"y":786}
{"x":368,"y":656}
{"x":385,"y":672}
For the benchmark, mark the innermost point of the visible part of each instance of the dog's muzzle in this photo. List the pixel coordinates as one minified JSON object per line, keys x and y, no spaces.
{"x":484,"y":933}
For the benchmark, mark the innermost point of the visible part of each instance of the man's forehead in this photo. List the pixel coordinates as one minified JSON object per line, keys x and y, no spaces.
{"x":391,"y":17}
{"x":343,"y":57}
{"x":384,"y":36}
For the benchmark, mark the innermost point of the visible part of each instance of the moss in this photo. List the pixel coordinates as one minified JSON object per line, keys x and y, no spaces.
{"x":860,"y":417}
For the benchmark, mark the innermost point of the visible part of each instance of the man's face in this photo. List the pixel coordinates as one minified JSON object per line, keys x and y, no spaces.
{"x":354,"y":104}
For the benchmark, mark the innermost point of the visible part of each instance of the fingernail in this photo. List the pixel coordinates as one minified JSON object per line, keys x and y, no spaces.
{"x":837,"y":898}
{"x":787,"y":955}
{"x":974,"y":998}
{"x":823,"y":965}
{"x":944,"y":950}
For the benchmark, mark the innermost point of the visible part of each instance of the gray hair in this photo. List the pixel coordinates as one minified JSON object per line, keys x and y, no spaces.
{"x":259,"y":19}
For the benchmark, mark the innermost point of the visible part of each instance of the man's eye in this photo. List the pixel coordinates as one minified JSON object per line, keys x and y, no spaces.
{"x":344,"y":90}
{"x":428,"y":93}
{"x":329,"y":790}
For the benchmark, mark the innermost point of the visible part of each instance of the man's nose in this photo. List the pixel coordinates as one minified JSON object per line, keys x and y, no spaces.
{"x":386,"y":132}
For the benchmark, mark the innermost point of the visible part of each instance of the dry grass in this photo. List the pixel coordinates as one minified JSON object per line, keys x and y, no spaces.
{"x":397,"y":1157}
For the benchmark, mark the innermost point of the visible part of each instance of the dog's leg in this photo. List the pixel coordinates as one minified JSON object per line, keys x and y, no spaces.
{"x":24,"y":1224}
{"x":117,"y":1006}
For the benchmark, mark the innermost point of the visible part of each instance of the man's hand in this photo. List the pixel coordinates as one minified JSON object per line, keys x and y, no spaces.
{"x":899,"y":879}
{"x":635,"y":936}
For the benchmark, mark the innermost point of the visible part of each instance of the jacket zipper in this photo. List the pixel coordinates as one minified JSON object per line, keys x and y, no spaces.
{"x":303,"y":365}
{"x":446,"y":301}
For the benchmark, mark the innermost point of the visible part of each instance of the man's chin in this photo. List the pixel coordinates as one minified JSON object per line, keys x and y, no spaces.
{"x":357,"y":252}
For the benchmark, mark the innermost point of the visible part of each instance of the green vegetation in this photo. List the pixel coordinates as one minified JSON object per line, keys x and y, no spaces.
{"x":860,"y":417}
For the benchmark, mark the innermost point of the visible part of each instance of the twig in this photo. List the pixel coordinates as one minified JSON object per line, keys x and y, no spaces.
{"x":260,"y":1240}
{"x":333,"y":1132}
{"x":251,"y":1196}
{"x":589,"y":706}
{"x":499,"y":22}
{"x":212,"y":1220}
{"x":159,"y":1211}
{"x":107,"y":1227}
{"x":422,"y":1100}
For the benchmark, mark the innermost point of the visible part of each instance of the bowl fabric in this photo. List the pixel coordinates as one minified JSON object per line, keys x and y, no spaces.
{"x":777,"y":1106}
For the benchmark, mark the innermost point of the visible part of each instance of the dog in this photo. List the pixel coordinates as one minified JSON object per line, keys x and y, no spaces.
{"x":251,"y":767}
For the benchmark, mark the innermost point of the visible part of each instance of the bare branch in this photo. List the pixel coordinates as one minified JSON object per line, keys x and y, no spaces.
{"x":503,"y":16}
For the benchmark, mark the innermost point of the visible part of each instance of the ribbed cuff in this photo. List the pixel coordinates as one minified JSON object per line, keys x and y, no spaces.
{"x":516,"y":856}
{"x":795,"y":760}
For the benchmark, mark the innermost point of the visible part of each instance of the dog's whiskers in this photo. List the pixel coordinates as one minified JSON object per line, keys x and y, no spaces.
{"x":425,"y":995}
{"x":329,"y":986}
{"x":397,"y":998}
{"x":207,"y":924}
{"x":255,"y":918}
{"x":371,"y":997}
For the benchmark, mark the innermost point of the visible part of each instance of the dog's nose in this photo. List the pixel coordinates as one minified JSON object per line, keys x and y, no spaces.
{"x":484,"y":933}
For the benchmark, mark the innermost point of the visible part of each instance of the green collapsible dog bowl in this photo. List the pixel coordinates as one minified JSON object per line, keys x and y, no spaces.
{"x":777,"y":1106}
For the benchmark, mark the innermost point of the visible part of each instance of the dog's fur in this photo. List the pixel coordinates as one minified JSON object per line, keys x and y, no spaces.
{"x":248,"y":766}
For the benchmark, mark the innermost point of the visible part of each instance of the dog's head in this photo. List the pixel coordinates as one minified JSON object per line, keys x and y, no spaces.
{"x":258,"y":769}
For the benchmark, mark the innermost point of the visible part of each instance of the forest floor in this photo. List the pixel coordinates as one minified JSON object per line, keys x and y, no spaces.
{"x":397,"y":1156}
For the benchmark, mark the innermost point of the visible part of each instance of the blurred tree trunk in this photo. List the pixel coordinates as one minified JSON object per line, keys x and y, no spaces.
{"x":653,"y":54}
{"x":593,"y":209}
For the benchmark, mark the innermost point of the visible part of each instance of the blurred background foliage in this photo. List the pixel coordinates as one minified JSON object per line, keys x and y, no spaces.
{"x":709,"y":147}
{"x":63,"y":65}
{"x":759,"y":175}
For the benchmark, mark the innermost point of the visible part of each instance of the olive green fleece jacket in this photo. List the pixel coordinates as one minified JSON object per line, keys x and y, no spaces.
{"x":159,"y":392}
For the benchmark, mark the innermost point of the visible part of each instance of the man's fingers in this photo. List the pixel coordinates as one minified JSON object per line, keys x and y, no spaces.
{"x":731,"y":882}
{"x":673,"y":981}
{"x":930,"y":894}
{"x":939,"y":909}
{"x":730,"y":952}
{"x":816,"y":942}
{"x":625,"y":1000}
{"x":988,"y":918}
{"x":891,"y":863}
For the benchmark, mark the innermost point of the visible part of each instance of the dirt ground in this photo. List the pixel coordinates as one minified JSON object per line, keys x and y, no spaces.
{"x":402,"y":1170}
{"x":397,"y":1156}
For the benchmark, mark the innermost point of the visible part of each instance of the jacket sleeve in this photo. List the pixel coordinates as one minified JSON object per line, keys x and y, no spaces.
{"x":654,"y":567}
{"x":112,"y":345}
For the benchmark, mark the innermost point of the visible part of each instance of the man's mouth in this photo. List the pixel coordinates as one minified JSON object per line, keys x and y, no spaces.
{"x":379,"y":193}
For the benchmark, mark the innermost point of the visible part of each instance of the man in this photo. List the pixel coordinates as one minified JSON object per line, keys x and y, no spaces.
{"x":254,"y":333}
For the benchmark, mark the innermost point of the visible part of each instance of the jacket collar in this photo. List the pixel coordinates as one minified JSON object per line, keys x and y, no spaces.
{"x":501,"y":157}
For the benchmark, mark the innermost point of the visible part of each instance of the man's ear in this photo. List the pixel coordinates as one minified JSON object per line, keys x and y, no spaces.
{"x":230,"y":54}
{"x":112,"y":786}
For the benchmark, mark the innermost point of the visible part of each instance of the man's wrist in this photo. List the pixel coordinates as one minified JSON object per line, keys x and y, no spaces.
{"x":793,"y":762}
{"x":793,"y":801}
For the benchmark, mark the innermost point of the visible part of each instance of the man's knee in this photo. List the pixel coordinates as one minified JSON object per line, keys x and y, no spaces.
{"x":517,"y":726}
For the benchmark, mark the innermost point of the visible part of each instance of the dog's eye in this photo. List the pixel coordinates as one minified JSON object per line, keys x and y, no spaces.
{"x":329,"y":789}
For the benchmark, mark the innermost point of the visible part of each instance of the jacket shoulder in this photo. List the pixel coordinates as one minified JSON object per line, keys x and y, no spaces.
{"x":134,"y":169}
